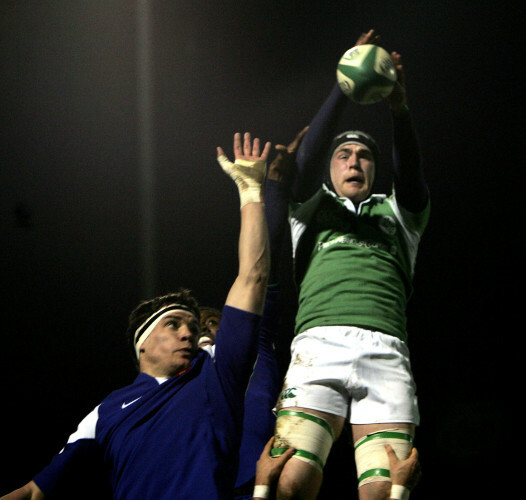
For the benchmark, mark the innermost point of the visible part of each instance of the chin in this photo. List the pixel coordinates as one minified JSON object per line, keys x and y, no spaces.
{"x":358,"y":197}
{"x":354,"y":197}
{"x":179,"y":369}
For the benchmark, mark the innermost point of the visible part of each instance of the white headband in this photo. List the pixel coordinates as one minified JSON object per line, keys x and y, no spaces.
{"x":144,"y":331}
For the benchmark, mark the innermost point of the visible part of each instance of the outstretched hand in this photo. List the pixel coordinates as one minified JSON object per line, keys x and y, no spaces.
{"x":247,"y":150}
{"x":283,"y":165}
{"x":397,"y":99}
{"x":248,"y":170}
{"x":368,"y":38}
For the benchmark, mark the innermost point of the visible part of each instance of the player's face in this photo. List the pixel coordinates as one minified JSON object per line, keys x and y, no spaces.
{"x":171,"y":346}
{"x":209,"y":327}
{"x":352,"y":172}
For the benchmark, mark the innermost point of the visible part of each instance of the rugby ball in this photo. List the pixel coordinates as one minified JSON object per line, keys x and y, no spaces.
{"x":366,"y":74}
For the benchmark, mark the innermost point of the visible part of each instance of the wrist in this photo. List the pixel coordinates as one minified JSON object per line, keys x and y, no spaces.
{"x":250,"y":195}
{"x":261,"y":491}
{"x":399,"y":492}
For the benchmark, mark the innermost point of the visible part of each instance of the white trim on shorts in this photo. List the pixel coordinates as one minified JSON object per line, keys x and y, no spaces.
{"x":361,"y":375}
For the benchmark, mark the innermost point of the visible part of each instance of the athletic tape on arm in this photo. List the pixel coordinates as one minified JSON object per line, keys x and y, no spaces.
{"x":249,"y":177}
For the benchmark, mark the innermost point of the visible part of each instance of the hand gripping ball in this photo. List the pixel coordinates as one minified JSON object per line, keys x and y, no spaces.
{"x":366,"y":74}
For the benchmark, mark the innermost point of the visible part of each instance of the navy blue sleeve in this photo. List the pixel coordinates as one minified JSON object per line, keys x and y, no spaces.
{"x":68,"y":468}
{"x":410,"y":186}
{"x":276,"y":211}
{"x":235,"y":354}
{"x":262,"y":392}
{"x":311,"y":156}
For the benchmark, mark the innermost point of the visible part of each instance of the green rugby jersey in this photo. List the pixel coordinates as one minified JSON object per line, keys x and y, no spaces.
{"x":355,"y":267}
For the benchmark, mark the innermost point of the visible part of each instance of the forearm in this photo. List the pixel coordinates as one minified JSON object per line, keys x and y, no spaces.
{"x":248,"y":291}
{"x":29,"y":491}
{"x":409,"y":182}
{"x":311,"y":154}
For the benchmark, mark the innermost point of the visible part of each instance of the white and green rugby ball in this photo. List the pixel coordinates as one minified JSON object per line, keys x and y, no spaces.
{"x":366,"y":74}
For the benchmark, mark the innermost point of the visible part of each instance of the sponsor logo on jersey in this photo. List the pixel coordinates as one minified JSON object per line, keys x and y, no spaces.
{"x":125,"y":405}
{"x":346,"y":240}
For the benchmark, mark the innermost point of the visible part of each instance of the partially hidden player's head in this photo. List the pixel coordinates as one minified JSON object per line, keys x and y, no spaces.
{"x":352,"y":160}
{"x":210,"y":318}
{"x":163,"y":333}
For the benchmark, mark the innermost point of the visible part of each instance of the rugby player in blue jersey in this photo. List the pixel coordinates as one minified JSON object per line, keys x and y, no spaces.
{"x":175,"y":431}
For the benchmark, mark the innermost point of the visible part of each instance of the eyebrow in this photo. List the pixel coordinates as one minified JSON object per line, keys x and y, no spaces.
{"x":187,"y":318}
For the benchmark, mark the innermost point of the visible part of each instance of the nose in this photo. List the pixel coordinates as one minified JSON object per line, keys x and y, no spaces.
{"x":352,"y":161}
{"x":184,"y":332}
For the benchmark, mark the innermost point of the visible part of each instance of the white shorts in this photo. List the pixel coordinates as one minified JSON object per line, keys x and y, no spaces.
{"x":361,"y":375}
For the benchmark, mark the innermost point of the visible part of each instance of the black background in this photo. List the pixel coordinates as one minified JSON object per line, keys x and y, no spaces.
{"x":70,"y":231}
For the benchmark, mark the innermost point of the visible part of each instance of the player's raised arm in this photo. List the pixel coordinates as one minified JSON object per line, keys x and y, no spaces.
{"x":30,"y":491}
{"x":408,"y":173}
{"x":311,"y":155}
{"x":248,"y":172}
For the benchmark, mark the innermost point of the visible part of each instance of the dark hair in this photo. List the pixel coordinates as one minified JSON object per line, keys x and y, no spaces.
{"x":212,"y":310}
{"x":146,"y":308}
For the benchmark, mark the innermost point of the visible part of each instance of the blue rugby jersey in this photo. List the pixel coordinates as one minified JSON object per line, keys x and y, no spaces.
{"x":261,"y":396}
{"x":176,"y":439}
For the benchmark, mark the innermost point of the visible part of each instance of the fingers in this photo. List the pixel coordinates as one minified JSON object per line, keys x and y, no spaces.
{"x":238,"y":152}
{"x":397,"y":58}
{"x":293,"y":146}
{"x":247,"y":148}
{"x":246,"y":144}
{"x":391,"y":453}
{"x":282,"y":458}
{"x":268,"y":446}
{"x":288,"y":454}
{"x":266,"y":151}
{"x":397,"y":61}
{"x":224,"y":162}
{"x":279,"y":462}
{"x":413,"y":456}
{"x":370,"y":37}
{"x":250,"y":150}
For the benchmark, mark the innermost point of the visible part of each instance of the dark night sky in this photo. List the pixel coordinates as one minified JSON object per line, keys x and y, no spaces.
{"x":70,"y":230}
